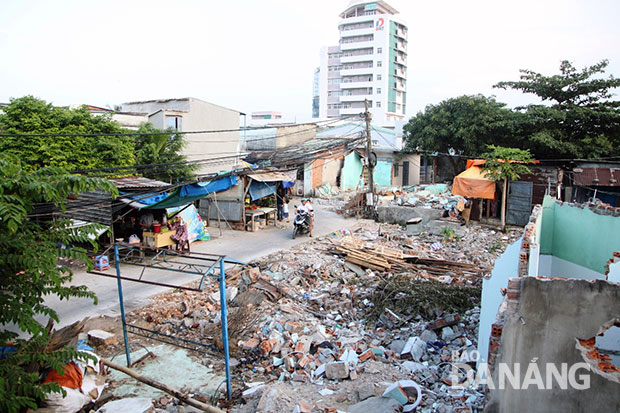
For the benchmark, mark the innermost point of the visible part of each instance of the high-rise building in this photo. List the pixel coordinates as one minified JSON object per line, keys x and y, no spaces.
{"x":369,"y":63}
{"x":315,"y":93}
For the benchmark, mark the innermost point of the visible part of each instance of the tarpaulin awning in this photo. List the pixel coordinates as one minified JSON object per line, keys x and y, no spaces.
{"x":189,"y":193}
{"x":473,"y":183}
{"x":260,"y":190}
{"x":285,"y":176}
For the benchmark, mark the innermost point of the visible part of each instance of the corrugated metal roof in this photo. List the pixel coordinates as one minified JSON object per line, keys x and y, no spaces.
{"x":288,"y":176}
{"x":137,"y":182}
{"x":596,"y":176}
{"x":93,"y":206}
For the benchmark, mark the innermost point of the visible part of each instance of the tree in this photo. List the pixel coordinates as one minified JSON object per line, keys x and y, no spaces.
{"x":163,"y":150}
{"x":29,"y":115}
{"x":581,"y":121}
{"x":29,"y":271}
{"x":506,"y":164}
{"x":462,"y":125}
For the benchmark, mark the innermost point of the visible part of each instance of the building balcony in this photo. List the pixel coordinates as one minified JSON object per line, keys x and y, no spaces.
{"x":402,"y":34}
{"x":357,"y":58}
{"x":351,"y":111}
{"x":401,"y":61}
{"x":358,"y":32}
{"x":356,"y":98}
{"x":357,"y":45}
{"x":356,"y":72}
{"x":331,"y":113}
{"x":355,"y":85}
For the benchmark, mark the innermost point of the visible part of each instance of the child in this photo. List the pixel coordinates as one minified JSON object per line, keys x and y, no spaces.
{"x":285,"y":209}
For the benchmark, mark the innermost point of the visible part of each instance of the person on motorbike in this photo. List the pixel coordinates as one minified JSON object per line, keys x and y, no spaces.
{"x":306,"y":207}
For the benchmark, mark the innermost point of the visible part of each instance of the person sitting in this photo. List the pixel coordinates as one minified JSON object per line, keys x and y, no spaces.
{"x":306,"y":207}
{"x":181,"y":235}
{"x":146,"y":221}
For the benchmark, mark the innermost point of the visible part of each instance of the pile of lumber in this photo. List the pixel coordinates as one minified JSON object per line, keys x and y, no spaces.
{"x":439,"y":267}
{"x":383,"y":258}
{"x":378,"y":258}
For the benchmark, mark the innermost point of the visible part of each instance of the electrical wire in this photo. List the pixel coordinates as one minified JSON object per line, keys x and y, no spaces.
{"x":204,"y":160}
{"x":163,"y":132}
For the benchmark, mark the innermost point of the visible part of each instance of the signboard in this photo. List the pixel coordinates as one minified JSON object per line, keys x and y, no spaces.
{"x":380,"y":23}
{"x":371,"y":6}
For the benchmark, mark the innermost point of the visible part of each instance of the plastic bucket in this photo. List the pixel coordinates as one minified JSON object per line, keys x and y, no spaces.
{"x":156,"y":228}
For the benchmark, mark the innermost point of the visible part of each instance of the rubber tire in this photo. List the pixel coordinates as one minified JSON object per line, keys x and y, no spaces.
{"x":294,"y":232}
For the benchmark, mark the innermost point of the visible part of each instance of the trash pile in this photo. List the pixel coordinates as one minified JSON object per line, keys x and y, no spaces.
{"x":367,"y":320}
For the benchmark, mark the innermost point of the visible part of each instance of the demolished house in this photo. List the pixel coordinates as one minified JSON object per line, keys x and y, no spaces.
{"x":555,"y":341}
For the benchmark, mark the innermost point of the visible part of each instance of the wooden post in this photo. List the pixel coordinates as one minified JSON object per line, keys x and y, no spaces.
{"x":371,"y":181}
{"x":185,"y":399}
{"x":504,"y":205}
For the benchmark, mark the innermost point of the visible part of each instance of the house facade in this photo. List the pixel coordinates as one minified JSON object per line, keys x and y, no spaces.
{"x":213,"y":151}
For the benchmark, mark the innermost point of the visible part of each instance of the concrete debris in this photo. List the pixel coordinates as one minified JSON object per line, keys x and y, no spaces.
{"x":101,"y":338}
{"x":376,"y":404}
{"x":337,"y":370}
{"x":310,"y":316}
{"x":134,"y":404}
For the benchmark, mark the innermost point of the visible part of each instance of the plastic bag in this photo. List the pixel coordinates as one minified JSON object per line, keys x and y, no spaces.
{"x":133,"y":239}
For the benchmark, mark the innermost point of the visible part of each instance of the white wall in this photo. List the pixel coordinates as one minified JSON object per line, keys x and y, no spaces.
{"x":550,"y":266}
{"x":207,"y":116}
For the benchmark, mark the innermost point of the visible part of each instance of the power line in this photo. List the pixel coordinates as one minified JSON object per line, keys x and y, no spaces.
{"x":163,"y":132}
{"x":199,"y":161}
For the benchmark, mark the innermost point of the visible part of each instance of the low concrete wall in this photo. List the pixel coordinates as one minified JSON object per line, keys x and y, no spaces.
{"x":543,"y":328}
{"x":400,"y":214}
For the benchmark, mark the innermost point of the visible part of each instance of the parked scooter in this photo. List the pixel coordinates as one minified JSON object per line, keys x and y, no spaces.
{"x":301,"y":223}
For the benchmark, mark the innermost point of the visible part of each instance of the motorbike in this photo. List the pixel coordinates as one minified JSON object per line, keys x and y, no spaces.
{"x":301,"y":223}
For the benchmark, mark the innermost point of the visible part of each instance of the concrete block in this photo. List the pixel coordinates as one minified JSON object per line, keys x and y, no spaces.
{"x":428,"y":335}
{"x":376,"y":404}
{"x":414,"y":348}
{"x":413,"y":367}
{"x":365,"y":391}
{"x":134,"y":404}
{"x":337,"y":370}
{"x":101,"y":338}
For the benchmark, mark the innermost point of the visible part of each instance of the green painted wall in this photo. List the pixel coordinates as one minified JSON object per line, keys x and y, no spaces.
{"x":579,"y":235}
{"x":382,"y":175}
{"x":351,"y":171}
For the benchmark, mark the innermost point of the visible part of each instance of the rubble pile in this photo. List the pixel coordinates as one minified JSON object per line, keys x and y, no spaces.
{"x":346,"y":321}
{"x":429,"y":196}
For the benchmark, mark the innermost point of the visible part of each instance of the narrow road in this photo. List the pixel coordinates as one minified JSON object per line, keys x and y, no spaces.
{"x":242,"y":246}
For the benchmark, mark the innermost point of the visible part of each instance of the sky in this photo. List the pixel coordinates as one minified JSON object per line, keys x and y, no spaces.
{"x":254,"y":55}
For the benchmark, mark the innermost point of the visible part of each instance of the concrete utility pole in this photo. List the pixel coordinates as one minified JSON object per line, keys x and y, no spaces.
{"x":371,"y":167}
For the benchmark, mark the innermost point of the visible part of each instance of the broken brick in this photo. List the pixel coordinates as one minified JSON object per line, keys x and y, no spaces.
{"x":449,"y":320}
{"x":250,"y":344}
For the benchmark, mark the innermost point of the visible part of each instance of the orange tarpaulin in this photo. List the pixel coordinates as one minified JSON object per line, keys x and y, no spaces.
{"x":473,"y":184}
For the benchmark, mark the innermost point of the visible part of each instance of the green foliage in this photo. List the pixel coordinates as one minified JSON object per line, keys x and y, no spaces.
{"x":448,"y":234}
{"x":163,"y":148}
{"x":411,"y":297}
{"x":581,"y":121}
{"x":506,"y":163}
{"x":579,"y":118}
{"x":29,"y":271}
{"x":465,"y":124}
{"x":29,"y":115}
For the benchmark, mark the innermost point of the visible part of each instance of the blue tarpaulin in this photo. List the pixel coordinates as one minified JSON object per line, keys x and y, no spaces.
{"x":288,"y":184}
{"x":261,"y":189}
{"x":189,"y":193}
{"x":148,"y":200}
